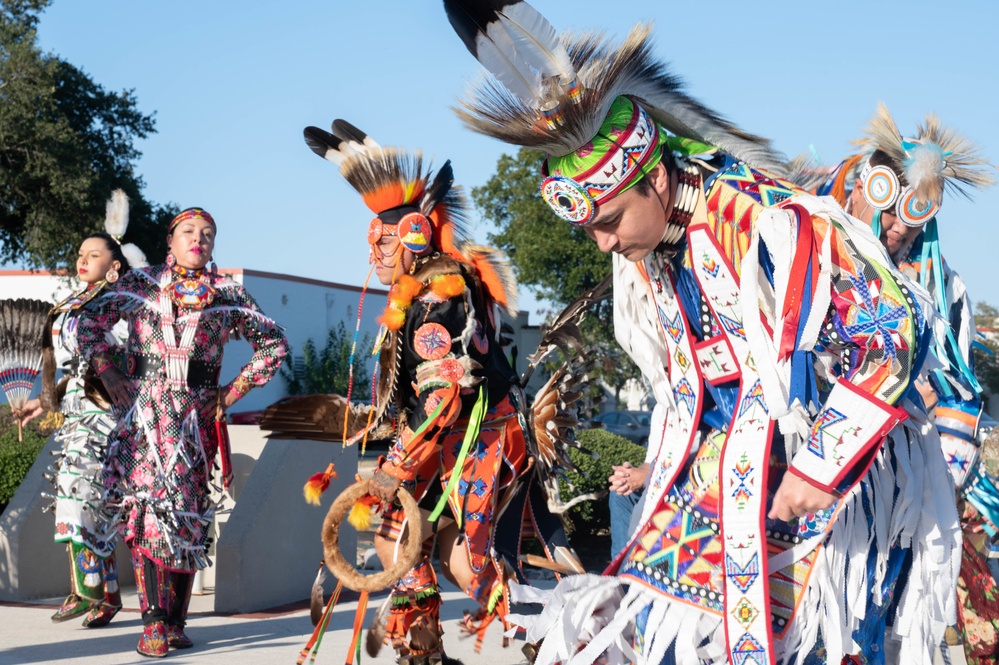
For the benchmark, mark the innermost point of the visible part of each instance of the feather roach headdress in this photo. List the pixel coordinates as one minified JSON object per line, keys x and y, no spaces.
{"x":116,"y":223}
{"x":554,"y":93}
{"x":428,"y":210}
{"x":936,"y":159}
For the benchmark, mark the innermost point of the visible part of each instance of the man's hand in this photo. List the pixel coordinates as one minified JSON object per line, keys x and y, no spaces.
{"x":383,"y":486}
{"x":117,"y":385}
{"x":31,"y":410}
{"x":211,"y":406}
{"x":797,"y":497}
{"x":627,"y":478}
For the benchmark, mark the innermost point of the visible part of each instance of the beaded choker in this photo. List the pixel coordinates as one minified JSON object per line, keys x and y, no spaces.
{"x":687,"y":188}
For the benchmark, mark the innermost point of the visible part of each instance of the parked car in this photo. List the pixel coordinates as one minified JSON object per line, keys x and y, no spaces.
{"x":632,"y":425}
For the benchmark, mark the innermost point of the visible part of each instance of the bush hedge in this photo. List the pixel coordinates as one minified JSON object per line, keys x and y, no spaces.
{"x":591,"y":518}
{"x":17,"y":457}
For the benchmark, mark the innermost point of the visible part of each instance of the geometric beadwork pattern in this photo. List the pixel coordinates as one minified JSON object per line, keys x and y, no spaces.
{"x":825,"y":420}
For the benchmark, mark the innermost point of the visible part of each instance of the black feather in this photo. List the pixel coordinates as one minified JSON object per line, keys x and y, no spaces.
{"x":438,"y":189}
{"x":320,"y":141}
{"x":348,"y":132}
{"x":470,"y":18}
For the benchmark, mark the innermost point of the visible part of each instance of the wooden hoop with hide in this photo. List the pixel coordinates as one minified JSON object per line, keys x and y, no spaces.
{"x":346,"y":573}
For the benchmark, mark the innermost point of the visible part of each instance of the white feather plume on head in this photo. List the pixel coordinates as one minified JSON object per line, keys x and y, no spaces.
{"x":116,"y":217}
{"x":936,"y":158}
{"x":136,"y":257}
{"x":924,"y":164}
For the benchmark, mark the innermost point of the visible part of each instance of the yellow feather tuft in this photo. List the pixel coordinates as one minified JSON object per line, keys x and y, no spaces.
{"x":360,"y":516}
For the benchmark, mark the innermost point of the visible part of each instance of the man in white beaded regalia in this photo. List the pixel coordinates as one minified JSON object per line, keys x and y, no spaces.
{"x":793,"y":507}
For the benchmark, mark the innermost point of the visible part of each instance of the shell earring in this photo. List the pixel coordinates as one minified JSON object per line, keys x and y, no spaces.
{"x":171,"y":260}
{"x":111,"y":276}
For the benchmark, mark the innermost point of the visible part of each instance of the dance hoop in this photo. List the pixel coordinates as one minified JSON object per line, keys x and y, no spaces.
{"x":346,"y":573}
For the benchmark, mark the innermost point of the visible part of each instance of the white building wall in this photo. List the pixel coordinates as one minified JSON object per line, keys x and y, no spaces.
{"x":305,"y":308}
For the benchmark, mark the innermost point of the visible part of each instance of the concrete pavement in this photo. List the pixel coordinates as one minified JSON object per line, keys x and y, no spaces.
{"x":27,"y":636}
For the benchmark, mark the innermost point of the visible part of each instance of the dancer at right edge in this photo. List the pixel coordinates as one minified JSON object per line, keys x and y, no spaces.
{"x":798,"y":501}
{"x":896,"y":184}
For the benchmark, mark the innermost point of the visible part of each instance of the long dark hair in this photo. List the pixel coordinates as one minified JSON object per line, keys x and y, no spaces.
{"x":114,"y":247}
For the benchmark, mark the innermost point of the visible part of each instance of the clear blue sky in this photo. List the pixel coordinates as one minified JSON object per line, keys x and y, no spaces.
{"x":233,"y":84}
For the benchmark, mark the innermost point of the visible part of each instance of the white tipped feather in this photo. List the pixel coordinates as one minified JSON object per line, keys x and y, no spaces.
{"x":136,"y":257}
{"x":537,"y":42}
{"x":116,"y":217}
{"x":494,"y":50}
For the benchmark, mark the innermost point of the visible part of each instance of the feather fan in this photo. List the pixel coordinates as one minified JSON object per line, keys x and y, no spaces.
{"x":318,"y":418}
{"x":23,"y":324}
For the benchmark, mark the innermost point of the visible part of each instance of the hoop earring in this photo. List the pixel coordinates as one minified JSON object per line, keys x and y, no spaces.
{"x":111,"y":276}
{"x":171,"y":260}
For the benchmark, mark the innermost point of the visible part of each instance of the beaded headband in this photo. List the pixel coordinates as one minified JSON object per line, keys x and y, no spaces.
{"x":190,"y":214}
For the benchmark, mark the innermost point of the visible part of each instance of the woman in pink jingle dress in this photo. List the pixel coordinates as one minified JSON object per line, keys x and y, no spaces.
{"x":162,"y":453}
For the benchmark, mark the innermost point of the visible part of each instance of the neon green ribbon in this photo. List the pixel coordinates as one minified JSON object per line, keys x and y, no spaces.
{"x":471,"y":434}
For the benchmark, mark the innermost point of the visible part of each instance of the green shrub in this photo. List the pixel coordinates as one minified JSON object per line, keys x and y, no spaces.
{"x":591,"y":518}
{"x":17,"y":457}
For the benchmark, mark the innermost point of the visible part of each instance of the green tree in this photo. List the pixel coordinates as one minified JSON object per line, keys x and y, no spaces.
{"x":987,"y":364}
{"x":554,"y":258}
{"x":327,"y":371}
{"x":65,"y":144}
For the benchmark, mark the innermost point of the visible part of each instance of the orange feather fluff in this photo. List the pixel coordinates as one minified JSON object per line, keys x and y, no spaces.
{"x":392,"y":318}
{"x":407,"y":288}
{"x":448,"y":286}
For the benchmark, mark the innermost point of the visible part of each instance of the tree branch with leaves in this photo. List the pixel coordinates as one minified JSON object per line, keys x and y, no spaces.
{"x":65,"y":143}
